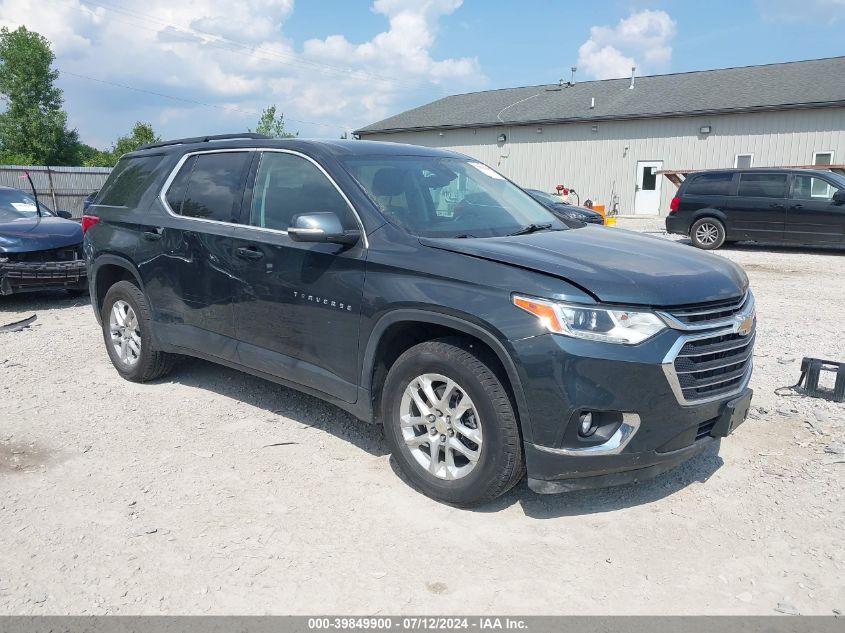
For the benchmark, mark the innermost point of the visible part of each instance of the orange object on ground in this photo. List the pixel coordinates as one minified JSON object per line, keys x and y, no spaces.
{"x":599,"y":208}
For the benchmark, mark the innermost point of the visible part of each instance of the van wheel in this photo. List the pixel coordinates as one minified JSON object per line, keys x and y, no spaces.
{"x":707,"y":233}
{"x":127,"y":332}
{"x":450,"y":424}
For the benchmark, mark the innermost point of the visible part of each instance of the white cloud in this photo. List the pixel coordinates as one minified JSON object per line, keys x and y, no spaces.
{"x":643,"y":40}
{"x":236,"y":57}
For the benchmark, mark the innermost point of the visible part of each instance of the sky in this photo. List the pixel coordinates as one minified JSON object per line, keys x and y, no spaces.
{"x":196,"y":67}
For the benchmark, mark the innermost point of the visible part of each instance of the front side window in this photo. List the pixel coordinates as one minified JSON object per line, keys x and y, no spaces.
{"x":209,"y":186}
{"x":447,"y":197}
{"x":717,"y":184}
{"x":811,"y":188}
{"x":762,"y":185}
{"x":288,"y":185}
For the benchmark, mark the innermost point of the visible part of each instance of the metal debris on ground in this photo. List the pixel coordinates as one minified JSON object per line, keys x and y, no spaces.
{"x":16,"y":326}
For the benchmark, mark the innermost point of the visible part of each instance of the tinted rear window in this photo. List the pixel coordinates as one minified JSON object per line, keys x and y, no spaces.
{"x":762,"y":185}
{"x":214,"y":186}
{"x":129,"y":179}
{"x":710,"y":185}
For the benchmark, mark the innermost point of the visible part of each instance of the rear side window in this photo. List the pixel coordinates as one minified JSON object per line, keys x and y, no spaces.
{"x":129,"y":179}
{"x":209,"y":186}
{"x":710,"y":185}
{"x":762,"y":185}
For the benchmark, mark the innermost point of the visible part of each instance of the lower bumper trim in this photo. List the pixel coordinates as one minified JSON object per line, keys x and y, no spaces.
{"x":606,"y":480}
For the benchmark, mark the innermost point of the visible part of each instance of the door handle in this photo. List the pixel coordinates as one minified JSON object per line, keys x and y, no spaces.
{"x":152,"y":236}
{"x":776,"y":205}
{"x":797,"y":206}
{"x":250,"y":253}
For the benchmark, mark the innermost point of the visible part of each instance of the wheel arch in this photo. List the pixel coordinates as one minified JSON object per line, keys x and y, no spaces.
{"x":106,"y":271}
{"x":400,"y":330}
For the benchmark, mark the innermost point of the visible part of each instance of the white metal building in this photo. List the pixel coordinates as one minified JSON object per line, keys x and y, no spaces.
{"x":607,"y":138}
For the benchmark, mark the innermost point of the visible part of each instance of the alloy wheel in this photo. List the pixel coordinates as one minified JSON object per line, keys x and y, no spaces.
{"x":707,"y":233}
{"x":441,"y":426}
{"x":125,"y":332}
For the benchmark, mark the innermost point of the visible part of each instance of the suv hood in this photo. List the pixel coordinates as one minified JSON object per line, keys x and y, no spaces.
{"x":25,"y":235}
{"x":614,"y":265}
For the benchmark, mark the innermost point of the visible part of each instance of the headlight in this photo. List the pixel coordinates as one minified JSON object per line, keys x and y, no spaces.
{"x":593,"y":323}
{"x":573,"y":215}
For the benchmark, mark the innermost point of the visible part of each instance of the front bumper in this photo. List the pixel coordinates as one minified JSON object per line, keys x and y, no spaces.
{"x":17,"y":276}
{"x":563,"y":377}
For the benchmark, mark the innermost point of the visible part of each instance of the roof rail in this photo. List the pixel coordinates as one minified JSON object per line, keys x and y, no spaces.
{"x":206,"y":139}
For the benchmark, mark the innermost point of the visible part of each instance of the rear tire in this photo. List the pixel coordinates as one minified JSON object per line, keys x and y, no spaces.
{"x":707,"y":233}
{"x":127,"y":332}
{"x":468,"y":420}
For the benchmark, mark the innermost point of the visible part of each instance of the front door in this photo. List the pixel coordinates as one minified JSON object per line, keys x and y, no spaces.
{"x":647,"y":196}
{"x":812,"y":216}
{"x":297,"y":305}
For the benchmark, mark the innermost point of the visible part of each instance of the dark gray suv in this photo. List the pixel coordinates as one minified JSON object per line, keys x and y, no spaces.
{"x":421,"y":290}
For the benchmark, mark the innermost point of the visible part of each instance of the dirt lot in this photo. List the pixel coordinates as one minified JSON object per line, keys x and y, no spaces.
{"x":215,"y":492}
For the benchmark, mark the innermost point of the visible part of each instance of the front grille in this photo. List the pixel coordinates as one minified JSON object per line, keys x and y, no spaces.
{"x":66,"y":254}
{"x":704,"y":315}
{"x":704,"y":428}
{"x":713,"y":366}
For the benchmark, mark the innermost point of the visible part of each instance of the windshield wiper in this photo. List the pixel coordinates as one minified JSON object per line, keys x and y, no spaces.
{"x":531,"y":228}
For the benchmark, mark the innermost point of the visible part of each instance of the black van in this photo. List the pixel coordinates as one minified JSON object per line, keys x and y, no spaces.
{"x":421,"y":290}
{"x":768,"y":205}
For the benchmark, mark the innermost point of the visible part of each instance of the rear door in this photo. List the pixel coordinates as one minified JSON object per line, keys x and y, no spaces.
{"x":185,"y":256}
{"x":297,"y":305}
{"x":812,"y":217}
{"x":758,"y":210}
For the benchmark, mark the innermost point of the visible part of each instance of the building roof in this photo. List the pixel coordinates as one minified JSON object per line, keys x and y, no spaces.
{"x":791,"y":85}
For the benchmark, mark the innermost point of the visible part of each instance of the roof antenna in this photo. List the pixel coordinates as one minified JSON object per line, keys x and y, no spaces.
{"x":633,"y":70}
{"x":572,"y":81}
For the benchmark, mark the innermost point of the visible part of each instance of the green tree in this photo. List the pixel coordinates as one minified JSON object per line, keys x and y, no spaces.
{"x":273,"y":126}
{"x":142,"y":134}
{"x":33,"y":127}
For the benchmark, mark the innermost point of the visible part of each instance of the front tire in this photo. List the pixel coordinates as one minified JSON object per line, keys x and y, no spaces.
{"x":450,"y":424}
{"x":707,"y":233}
{"x":127,"y":332}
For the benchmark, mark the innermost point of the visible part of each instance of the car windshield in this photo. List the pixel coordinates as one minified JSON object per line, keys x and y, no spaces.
{"x":838,"y":179}
{"x":16,"y":204}
{"x":542,"y":196}
{"x":431,"y":196}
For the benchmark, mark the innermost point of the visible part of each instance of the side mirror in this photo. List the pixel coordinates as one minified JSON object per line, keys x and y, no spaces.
{"x":320,"y":227}
{"x":839,"y":197}
{"x":67,"y":215}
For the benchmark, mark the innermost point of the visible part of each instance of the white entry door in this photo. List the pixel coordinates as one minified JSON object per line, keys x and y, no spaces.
{"x":647,"y":196}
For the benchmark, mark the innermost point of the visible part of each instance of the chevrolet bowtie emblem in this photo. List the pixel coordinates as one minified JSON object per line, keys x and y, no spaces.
{"x":745,"y":326}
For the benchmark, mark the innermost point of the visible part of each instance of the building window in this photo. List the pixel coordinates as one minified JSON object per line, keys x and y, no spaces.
{"x":820,"y":188}
{"x":744,"y":161}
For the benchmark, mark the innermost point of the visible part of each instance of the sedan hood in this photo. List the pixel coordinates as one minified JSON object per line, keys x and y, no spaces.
{"x":38,"y":234}
{"x":614,"y":265}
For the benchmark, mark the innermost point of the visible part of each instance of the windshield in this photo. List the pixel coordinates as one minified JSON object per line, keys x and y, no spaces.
{"x":542,"y":196}
{"x":448,"y":197}
{"x":838,"y":179}
{"x":16,"y":204}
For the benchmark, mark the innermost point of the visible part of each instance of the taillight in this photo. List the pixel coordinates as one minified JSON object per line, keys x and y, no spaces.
{"x":673,"y":206}
{"x":88,"y":221}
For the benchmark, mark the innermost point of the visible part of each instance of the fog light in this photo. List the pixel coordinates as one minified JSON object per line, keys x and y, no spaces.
{"x":586,"y":426}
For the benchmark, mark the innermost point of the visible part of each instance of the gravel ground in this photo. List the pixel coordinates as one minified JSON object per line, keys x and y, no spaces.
{"x":214,"y":492}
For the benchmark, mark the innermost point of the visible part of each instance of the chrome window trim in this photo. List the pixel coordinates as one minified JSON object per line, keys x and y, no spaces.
{"x":668,"y":366}
{"x":162,"y":196}
{"x":614,"y":445}
{"x":747,"y":309}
